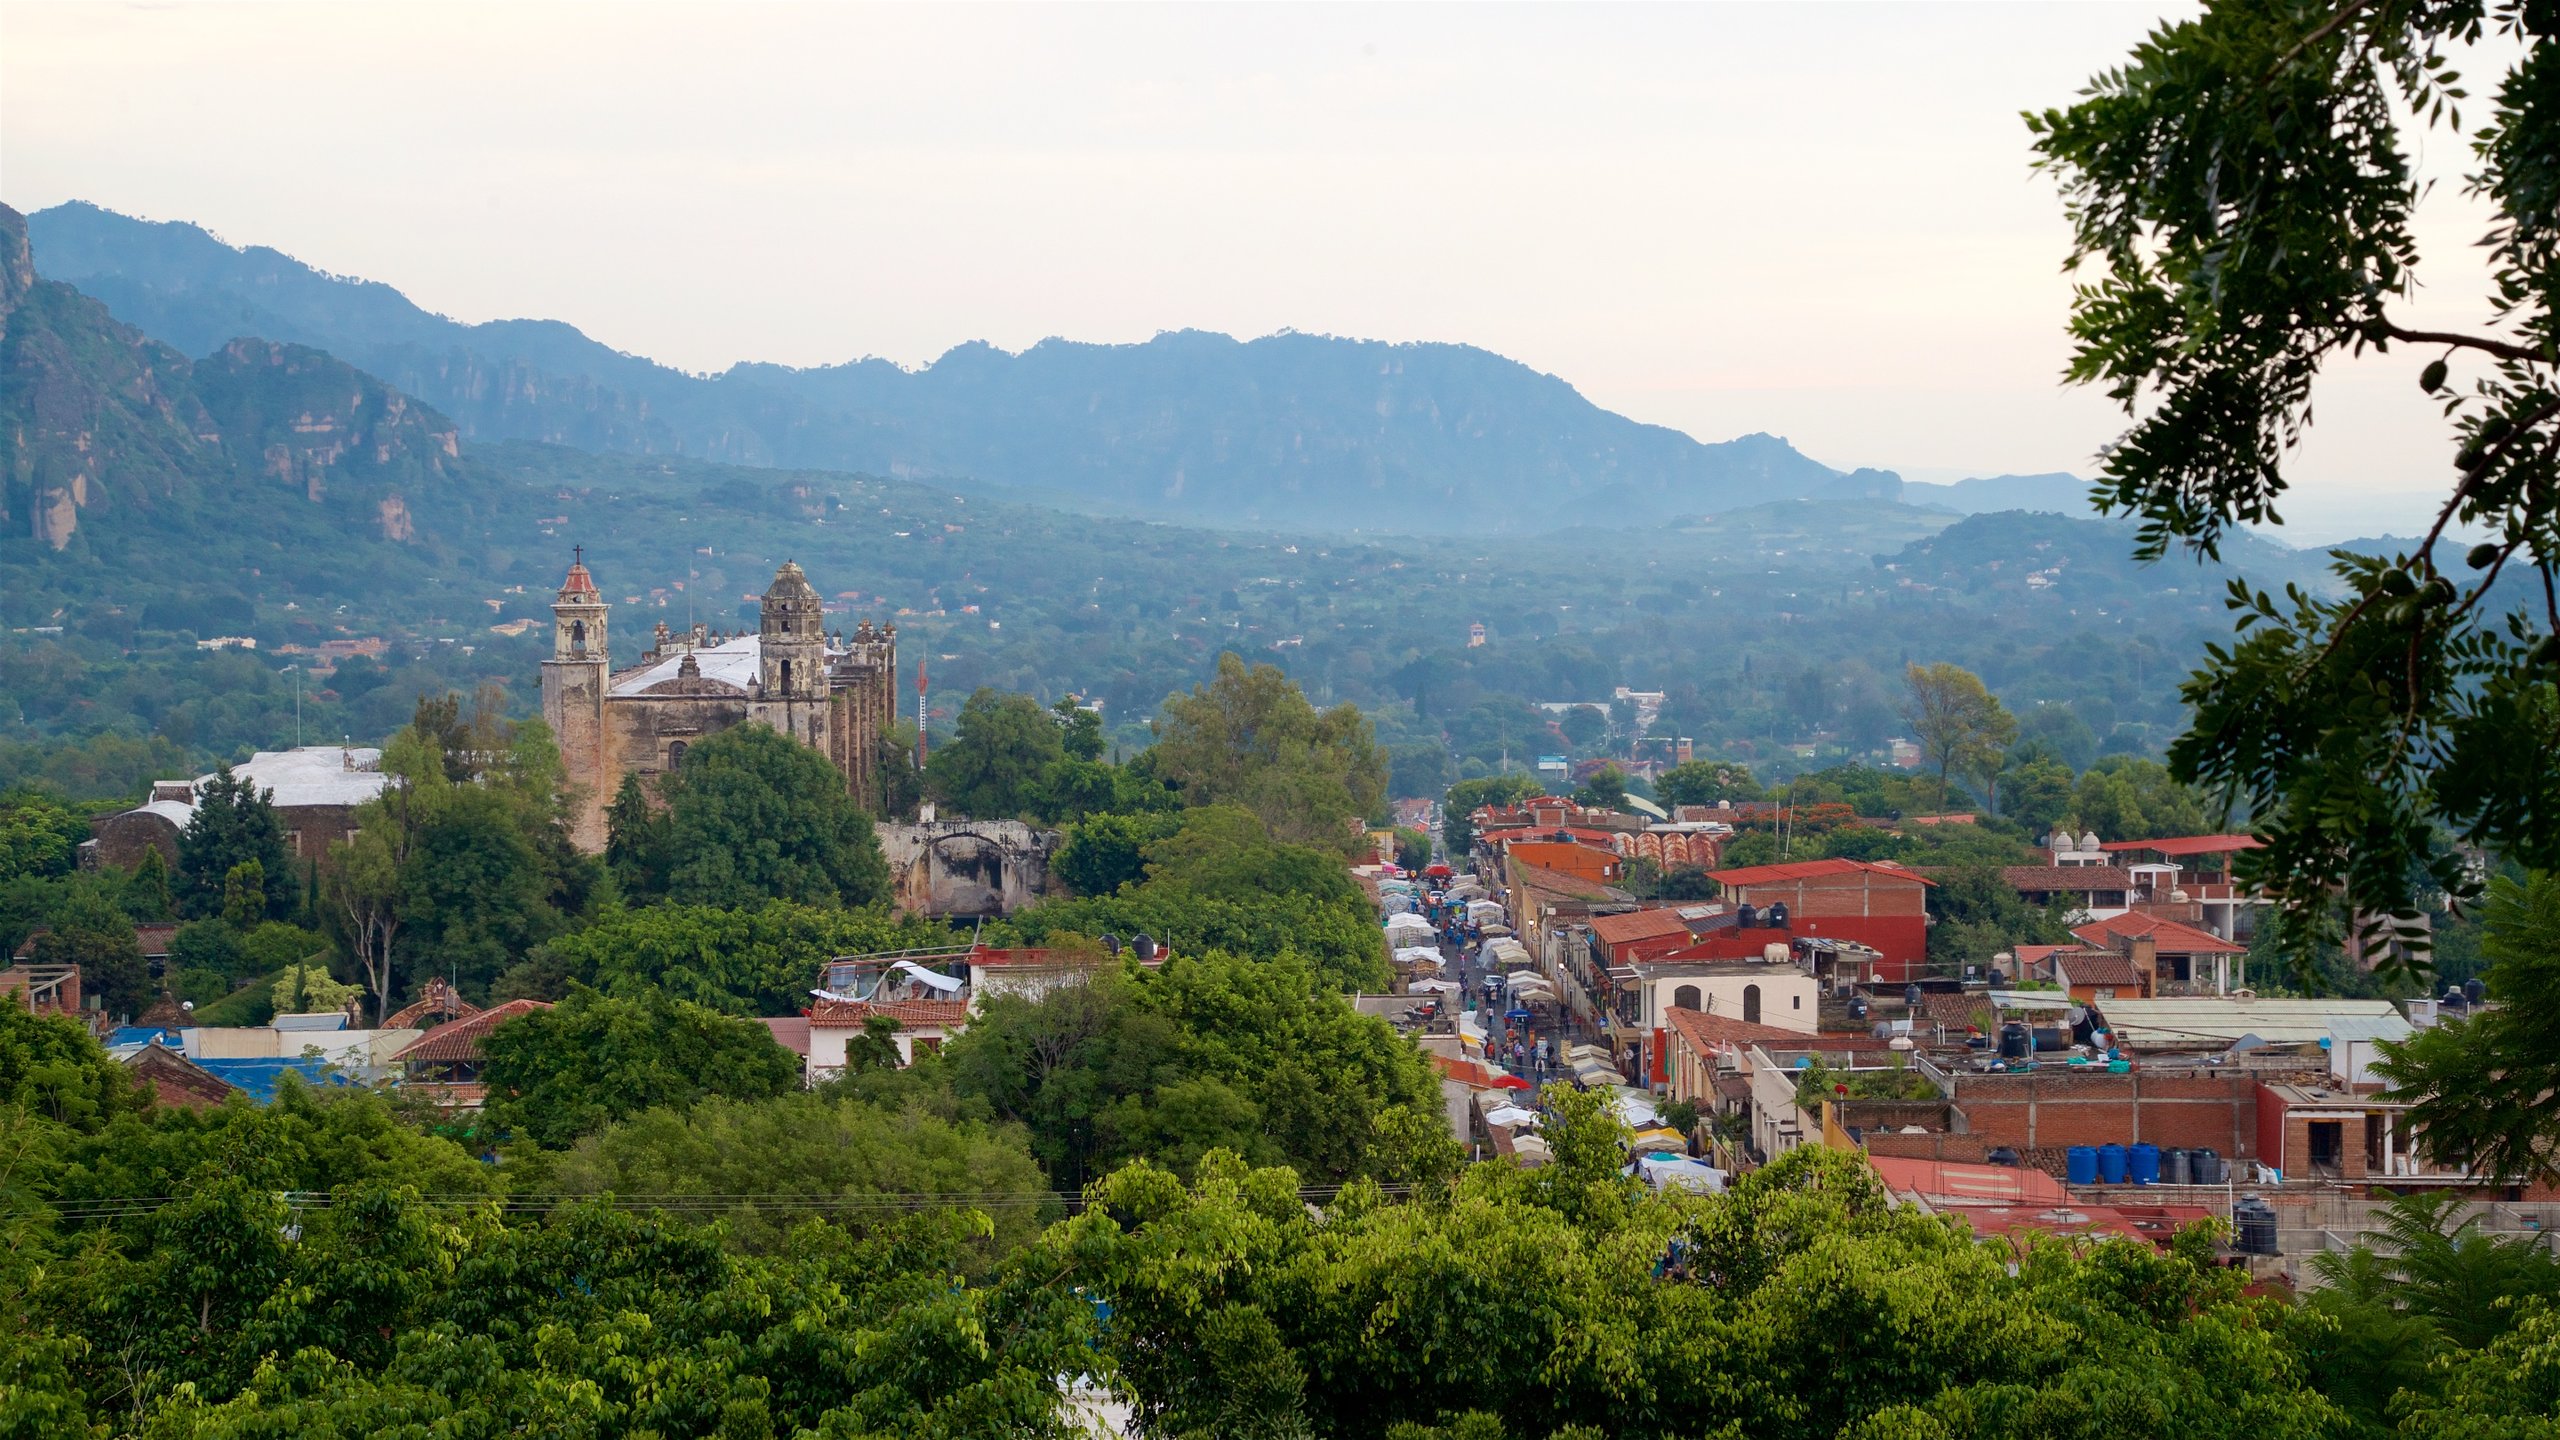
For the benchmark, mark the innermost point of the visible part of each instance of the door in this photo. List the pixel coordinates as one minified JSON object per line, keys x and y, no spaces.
{"x":2328,"y":1144}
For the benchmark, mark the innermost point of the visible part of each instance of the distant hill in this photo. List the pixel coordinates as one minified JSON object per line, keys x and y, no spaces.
{"x":1290,"y":430}
{"x":2057,"y":493}
{"x":106,"y":426}
{"x":2065,"y":560}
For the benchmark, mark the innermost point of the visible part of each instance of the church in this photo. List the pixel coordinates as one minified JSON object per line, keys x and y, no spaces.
{"x":835,"y":693}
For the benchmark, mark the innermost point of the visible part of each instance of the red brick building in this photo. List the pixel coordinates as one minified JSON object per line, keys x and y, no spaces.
{"x":1881,"y":906}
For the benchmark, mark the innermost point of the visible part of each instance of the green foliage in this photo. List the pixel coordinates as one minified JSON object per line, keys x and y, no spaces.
{"x":52,"y":1069}
{"x":1961,"y":728}
{"x":1526,"y":1303}
{"x":307,"y":987}
{"x":753,"y":816}
{"x":830,"y":1152}
{"x":89,"y":931}
{"x":1209,"y":1052}
{"x":39,"y":837}
{"x":1976,"y":914}
{"x":556,"y":1074}
{"x":2123,"y":797}
{"x":1250,"y":738}
{"x":234,"y":825}
{"x":1466,"y":797}
{"x":759,"y":961}
{"x":1101,"y":853}
{"x":2477,"y":1087}
{"x":1605,"y":790}
{"x":2243,"y":188}
{"x":1221,"y":882}
{"x":1704,"y":782}
{"x":1005,"y":746}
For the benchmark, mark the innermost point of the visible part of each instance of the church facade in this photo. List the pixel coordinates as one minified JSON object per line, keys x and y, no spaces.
{"x":836,"y":693}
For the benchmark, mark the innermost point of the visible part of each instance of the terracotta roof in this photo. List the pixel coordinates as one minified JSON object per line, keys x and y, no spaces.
{"x":1710,"y":1031}
{"x":1639,"y":925}
{"x":1953,"y":1182}
{"x":1813,"y":870}
{"x":2097,"y":967}
{"x":909,"y":1013}
{"x":1735,"y":943}
{"x":2066,"y":877}
{"x":791,"y":1032}
{"x":460,"y":1039}
{"x":1465,"y":1072}
{"x":2030,"y":954}
{"x":2172,"y":937}
{"x":2189,"y":844}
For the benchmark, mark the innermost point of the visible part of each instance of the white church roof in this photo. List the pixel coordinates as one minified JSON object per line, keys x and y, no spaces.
{"x":734,"y":662}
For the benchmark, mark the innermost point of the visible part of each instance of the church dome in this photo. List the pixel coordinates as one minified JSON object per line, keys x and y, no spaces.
{"x":790,"y":584}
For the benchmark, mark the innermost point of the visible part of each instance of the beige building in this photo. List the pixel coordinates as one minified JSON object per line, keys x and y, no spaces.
{"x":836,"y":693}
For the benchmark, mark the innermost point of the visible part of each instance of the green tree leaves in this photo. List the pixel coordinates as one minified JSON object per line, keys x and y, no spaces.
{"x":1250,"y":738}
{"x":754,"y":816}
{"x":556,"y":1074}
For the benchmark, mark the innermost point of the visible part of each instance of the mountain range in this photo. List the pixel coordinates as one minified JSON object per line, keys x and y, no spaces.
{"x":1292,"y":431}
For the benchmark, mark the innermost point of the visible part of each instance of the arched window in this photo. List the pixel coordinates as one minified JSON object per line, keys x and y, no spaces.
{"x":675,"y":754}
{"x":786,"y":677}
{"x":1750,"y":1004}
{"x":577,"y":637}
{"x":1685,"y":998}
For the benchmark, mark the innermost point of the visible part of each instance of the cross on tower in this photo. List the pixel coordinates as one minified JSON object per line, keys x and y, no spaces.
{"x":577,"y":554}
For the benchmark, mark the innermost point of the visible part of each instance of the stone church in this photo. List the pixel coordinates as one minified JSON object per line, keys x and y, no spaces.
{"x":834,"y":693}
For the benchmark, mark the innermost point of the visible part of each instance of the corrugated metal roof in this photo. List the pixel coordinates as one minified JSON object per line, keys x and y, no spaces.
{"x":2189,"y":1020}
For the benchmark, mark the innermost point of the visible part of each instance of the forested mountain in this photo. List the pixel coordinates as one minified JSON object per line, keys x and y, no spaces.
{"x":111,"y":436}
{"x":2060,"y":493}
{"x":1306,"y":431}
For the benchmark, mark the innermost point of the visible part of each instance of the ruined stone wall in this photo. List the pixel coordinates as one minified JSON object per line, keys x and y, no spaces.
{"x":962,"y":868}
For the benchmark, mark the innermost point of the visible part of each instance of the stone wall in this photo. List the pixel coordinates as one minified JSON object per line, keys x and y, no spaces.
{"x":961,"y":868}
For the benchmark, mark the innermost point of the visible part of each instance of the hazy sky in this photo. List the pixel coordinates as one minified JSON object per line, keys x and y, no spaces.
{"x":1815,"y":220}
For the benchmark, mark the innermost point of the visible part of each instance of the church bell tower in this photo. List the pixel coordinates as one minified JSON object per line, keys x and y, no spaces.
{"x":792,"y":650}
{"x":574,"y":682}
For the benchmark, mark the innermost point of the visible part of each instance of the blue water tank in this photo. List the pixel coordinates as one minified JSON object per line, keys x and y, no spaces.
{"x":2080,"y":1165}
{"x":2111,"y":1164}
{"x":2143,"y":1163}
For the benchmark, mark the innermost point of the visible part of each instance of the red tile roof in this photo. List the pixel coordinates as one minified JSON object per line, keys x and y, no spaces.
{"x":1708,"y":1032}
{"x":1813,"y":870}
{"x":2171,"y":937}
{"x":2103,"y":967}
{"x":2189,"y":844}
{"x":909,"y":1013}
{"x":791,"y":1032}
{"x":460,"y":1039}
{"x":1638,"y":925}
{"x":1962,"y":1184}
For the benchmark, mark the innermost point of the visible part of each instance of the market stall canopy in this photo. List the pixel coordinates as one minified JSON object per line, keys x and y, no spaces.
{"x":1433,"y":987}
{"x":1510,"y":1115}
{"x":1679,"y":1172}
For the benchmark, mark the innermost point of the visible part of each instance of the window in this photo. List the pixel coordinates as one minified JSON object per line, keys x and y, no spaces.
{"x":1686,"y":997}
{"x":1750,"y":1004}
{"x":577,"y":637}
{"x":786,"y":675}
{"x":1795,"y":1002}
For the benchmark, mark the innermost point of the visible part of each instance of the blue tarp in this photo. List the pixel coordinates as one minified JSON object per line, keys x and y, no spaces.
{"x":259,"y":1076}
{"x":144,"y":1035}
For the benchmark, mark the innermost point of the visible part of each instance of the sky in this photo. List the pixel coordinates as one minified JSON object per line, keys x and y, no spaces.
{"x":1817,"y":221}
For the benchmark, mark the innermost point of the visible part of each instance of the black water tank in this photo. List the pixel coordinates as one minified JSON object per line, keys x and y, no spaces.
{"x":1911,"y":996}
{"x":2207,"y":1165}
{"x":2001,"y":1155}
{"x":1145,"y":945}
{"x":2015,"y":1042}
{"x":1776,"y":918}
{"x":1111,"y":942}
{"x":1745,"y":917}
{"x":2475,"y":990}
{"x":2255,"y":1220}
{"x":1858,"y":1007}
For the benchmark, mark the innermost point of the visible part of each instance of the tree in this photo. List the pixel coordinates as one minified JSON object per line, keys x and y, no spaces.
{"x":308,"y":988}
{"x":1605,"y":790}
{"x":1079,"y":729}
{"x":1250,"y":738}
{"x":2479,"y":1088}
{"x":1101,"y":853}
{"x":1704,"y":782}
{"x":636,"y":841}
{"x":819,"y":1147}
{"x":753,"y":815}
{"x":990,"y":769}
{"x":90,"y":932}
{"x":148,"y":896}
{"x":1458,"y":807}
{"x":2243,"y":188}
{"x":1418,"y":771}
{"x":39,"y":837}
{"x":556,"y":1074}
{"x":760,"y":961}
{"x":234,"y":824}
{"x":1960,"y":726}
{"x":1585,"y":725}
{"x":2124,"y":797}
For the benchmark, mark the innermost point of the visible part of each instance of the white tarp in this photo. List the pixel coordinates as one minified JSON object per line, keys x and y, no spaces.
{"x":1670,"y":1172}
{"x":1636,"y":1108}
{"x":1433,"y":987}
{"x":932,"y":979}
{"x":1510,"y":1115}
{"x":1483,"y":911}
{"x":1417,"y":955}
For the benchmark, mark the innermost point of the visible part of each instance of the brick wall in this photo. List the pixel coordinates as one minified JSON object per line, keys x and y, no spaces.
{"x":2048,"y":1109}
